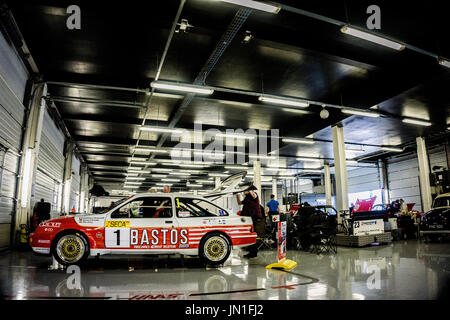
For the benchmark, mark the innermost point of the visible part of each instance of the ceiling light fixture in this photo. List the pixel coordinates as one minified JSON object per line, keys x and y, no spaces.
{"x":138,"y":171}
{"x":257,"y":156}
{"x":179,"y":173}
{"x":301,"y":141}
{"x":417,"y":121}
{"x":218,"y":175}
{"x":140,"y":149}
{"x":161,"y":129}
{"x":181,"y":87}
{"x":295,"y":110}
{"x":170,"y":180}
{"x":285,"y":102}
{"x":308,"y":159}
{"x":444,"y":62}
{"x":392,"y":149}
{"x":372,"y":38}
{"x":361,"y":113}
{"x":312,"y":171}
{"x":235,"y":136}
{"x":266,"y":7}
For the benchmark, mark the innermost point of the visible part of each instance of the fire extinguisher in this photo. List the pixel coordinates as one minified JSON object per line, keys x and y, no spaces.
{"x":23,"y":235}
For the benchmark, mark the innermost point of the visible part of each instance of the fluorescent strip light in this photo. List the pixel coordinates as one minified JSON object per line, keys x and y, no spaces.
{"x":133,"y":182}
{"x":194,"y":185}
{"x":165,"y":184}
{"x":138,"y":171}
{"x":182,"y":88}
{"x":205,"y":181}
{"x":130,"y":187}
{"x":351,"y":161}
{"x":192,"y":165}
{"x":161,"y":129}
{"x":150,"y":150}
{"x":236,"y":167}
{"x":171,"y":180}
{"x":361,"y":113}
{"x":235,"y":135}
{"x":210,"y":154}
{"x":218,"y":175}
{"x":158,"y":176}
{"x":312,"y":171}
{"x":284,"y":102}
{"x":179,"y":174}
{"x":143,"y":163}
{"x":161,"y":170}
{"x":302,"y":141}
{"x":135,"y":178}
{"x":372,"y":38}
{"x":255,"y":5}
{"x":255,"y":156}
{"x":295,"y":110}
{"x":393,"y":149}
{"x":416,"y":121}
{"x":445,"y":63}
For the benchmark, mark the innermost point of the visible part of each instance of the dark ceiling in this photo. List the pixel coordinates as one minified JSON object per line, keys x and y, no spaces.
{"x":290,"y":54}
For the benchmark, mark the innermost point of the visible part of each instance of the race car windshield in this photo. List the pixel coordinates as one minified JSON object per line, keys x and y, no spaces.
{"x":442,"y":202}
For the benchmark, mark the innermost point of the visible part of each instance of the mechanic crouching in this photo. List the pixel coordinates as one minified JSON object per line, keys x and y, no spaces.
{"x":252,"y":208}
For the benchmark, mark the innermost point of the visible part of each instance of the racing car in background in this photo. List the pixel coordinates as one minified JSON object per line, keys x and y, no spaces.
{"x":150,"y":223}
{"x":436,"y":222}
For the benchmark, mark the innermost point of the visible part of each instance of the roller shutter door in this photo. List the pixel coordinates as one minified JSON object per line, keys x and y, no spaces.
{"x":363,"y":179}
{"x":50,"y":167}
{"x":403,"y":175}
{"x":13,"y":77}
{"x":75,"y":188}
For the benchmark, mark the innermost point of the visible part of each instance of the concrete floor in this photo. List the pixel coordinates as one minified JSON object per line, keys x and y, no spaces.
{"x":402,"y":270}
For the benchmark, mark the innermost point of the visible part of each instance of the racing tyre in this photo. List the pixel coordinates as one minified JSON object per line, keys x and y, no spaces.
{"x":70,"y":248}
{"x":214,"y":249}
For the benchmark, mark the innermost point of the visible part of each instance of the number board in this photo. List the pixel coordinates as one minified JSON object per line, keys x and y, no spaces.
{"x":117,"y":234}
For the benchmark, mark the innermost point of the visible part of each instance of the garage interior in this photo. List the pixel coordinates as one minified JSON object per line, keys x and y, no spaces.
{"x":341,"y":118}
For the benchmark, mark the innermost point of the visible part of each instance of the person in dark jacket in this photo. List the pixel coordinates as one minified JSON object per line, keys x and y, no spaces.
{"x":251,"y":208}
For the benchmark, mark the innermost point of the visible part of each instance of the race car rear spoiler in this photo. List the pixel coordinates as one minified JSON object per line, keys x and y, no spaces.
{"x":231,"y":185}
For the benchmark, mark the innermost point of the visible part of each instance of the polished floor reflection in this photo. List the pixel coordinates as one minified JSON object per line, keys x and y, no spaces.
{"x":402,"y":270}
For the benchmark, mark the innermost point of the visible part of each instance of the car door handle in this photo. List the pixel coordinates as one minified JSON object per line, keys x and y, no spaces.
{"x":168,"y":221}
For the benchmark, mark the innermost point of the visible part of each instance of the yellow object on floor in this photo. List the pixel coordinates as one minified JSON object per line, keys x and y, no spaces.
{"x":286,"y":264}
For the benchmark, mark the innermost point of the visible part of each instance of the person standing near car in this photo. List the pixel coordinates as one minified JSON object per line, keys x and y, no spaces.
{"x":272,"y":207}
{"x":252,"y":208}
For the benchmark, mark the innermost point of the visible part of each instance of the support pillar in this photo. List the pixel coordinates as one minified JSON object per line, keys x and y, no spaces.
{"x":384,"y":182}
{"x":257,"y":177}
{"x":274,"y":187}
{"x":424,"y":174}
{"x":340,"y":167}
{"x":84,"y":189}
{"x":67,"y":182}
{"x":327,"y":184}
{"x":30,"y":151}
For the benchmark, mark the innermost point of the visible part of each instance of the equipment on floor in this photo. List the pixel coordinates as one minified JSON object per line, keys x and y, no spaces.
{"x":315,"y":229}
{"x":283,"y":263}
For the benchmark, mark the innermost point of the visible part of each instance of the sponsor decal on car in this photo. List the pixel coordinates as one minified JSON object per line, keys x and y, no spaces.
{"x":117,"y":224}
{"x":50,"y":224}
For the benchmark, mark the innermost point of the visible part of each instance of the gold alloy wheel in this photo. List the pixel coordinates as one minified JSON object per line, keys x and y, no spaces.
{"x":216,"y":248}
{"x":70,"y":248}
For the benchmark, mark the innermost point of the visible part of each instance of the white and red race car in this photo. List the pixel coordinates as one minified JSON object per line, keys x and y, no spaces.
{"x":147,"y":223}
